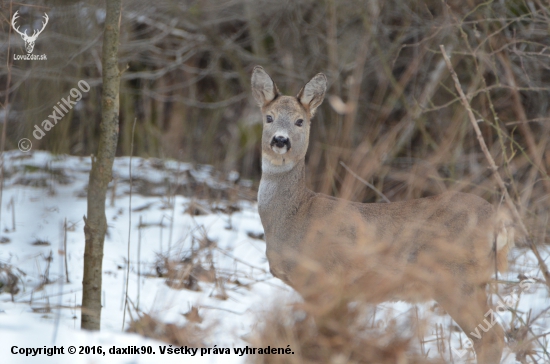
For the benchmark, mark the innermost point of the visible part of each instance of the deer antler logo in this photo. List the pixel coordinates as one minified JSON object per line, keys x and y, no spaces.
{"x":29,"y":41}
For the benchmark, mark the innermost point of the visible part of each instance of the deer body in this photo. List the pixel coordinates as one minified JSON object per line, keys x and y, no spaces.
{"x":444,"y":247}
{"x":291,"y":217}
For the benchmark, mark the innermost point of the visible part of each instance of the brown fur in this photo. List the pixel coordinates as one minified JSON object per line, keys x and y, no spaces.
{"x":443,"y":247}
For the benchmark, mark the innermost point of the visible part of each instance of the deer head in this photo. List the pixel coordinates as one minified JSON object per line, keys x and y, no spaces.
{"x":285,"y":136}
{"x":29,"y":40}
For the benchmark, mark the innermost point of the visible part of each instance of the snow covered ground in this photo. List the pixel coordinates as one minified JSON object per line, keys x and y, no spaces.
{"x":169,"y":219}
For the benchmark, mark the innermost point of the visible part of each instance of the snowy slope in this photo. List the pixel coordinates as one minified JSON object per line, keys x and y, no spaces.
{"x":46,"y":190}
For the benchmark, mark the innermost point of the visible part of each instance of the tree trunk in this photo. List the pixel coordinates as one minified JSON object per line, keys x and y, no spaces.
{"x":101,"y":174}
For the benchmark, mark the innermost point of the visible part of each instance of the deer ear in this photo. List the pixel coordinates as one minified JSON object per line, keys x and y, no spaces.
{"x":313,"y":93}
{"x":263,"y":87}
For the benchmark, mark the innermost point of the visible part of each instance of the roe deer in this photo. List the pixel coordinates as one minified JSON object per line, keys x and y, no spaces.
{"x":444,"y":247}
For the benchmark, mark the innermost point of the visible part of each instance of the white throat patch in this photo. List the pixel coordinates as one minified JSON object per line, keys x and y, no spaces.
{"x":281,"y":151}
{"x":276,"y":164}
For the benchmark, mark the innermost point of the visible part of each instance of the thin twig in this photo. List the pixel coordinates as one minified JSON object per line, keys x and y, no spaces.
{"x":6,"y":113}
{"x":12,"y":206}
{"x":494,"y":168}
{"x":172,"y":196}
{"x":524,"y":126}
{"x":129,"y":227}
{"x":369,"y":185}
{"x":139,"y":261}
{"x":65,"y":251}
{"x":222,"y":309}
{"x":62,"y":248}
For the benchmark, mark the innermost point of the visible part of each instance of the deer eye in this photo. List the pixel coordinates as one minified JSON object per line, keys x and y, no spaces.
{"x":269,"y":118}
{"x":299,"y":122}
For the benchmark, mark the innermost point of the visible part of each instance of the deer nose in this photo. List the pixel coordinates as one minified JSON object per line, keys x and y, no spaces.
{"x":280,"y":141}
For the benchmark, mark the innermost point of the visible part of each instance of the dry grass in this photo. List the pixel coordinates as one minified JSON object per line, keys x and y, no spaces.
{"x":338,"y":323}
{"x":184,"y":271}
{"x":10,"y":280}
{"x":190,"y":334}
{"x":343,"y":335}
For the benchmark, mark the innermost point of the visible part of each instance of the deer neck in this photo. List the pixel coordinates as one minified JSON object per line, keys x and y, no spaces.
{"x":281,"y":191}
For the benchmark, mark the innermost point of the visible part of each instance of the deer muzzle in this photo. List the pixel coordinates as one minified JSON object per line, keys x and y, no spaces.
{"x":280,"y":142}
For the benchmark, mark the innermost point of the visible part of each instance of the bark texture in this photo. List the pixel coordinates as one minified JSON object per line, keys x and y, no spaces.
{"x":101,"y":174}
